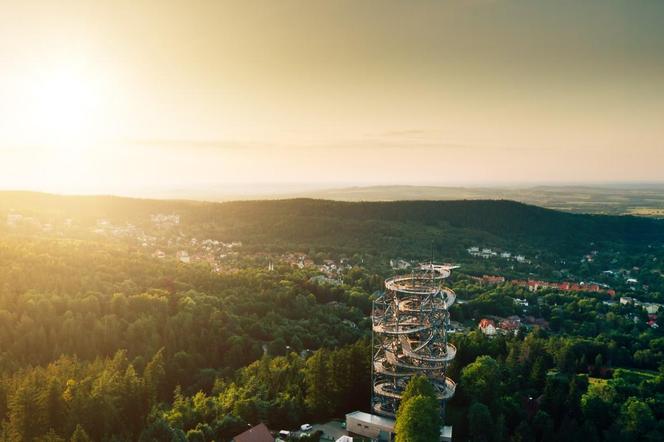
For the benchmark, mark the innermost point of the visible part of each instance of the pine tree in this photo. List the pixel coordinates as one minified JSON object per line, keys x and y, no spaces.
{"x":154,"y":375}
{"x":80,"y":435}
{"x":317,"y":377}
{"x":23,"y":406}
{"x":52,"y":405}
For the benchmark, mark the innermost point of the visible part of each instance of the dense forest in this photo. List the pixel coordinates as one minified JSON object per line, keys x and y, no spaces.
{"x":97,"y":337}
{"x":101,"y":341}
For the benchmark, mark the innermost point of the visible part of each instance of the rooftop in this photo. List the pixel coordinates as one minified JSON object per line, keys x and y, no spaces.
{"x":372,"y":419}
{"x":259,"y":433}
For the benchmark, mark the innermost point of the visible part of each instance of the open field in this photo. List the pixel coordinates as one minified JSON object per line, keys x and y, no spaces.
{"x":647,"y":211}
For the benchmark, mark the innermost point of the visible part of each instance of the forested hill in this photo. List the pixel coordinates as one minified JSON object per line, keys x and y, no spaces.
{"x":404,"y":226}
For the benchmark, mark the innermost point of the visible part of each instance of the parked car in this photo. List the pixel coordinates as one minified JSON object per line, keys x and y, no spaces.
{"x":305,"y":427}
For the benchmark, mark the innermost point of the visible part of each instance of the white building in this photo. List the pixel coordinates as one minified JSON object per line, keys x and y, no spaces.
{"x":399,"y":264}
{"x":521,"y":302}
{"x":370,"y":425}
{"x":165,"y":219}
{"x":652,"y":307}
{"x":183,"y":256}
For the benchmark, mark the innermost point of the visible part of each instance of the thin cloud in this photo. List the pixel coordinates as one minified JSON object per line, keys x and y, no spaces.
{"x":194,"y":144}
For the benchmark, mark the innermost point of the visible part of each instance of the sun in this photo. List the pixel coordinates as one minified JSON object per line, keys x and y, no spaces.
{"x":59,"y":117}
{"x":64,"y":105}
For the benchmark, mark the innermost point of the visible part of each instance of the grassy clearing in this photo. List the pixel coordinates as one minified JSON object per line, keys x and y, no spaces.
{"x":646,"y":211}
{"x":592,"y":380}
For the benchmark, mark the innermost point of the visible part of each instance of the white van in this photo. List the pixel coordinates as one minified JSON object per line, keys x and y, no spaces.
{"x":305,"y":427}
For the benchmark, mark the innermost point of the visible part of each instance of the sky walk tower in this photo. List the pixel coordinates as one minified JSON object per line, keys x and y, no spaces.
{"x":409,"y":336}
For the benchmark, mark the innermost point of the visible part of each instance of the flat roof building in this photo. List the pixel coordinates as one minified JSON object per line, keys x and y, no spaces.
{"x":446,"y":434}
{"x":371,"y":426}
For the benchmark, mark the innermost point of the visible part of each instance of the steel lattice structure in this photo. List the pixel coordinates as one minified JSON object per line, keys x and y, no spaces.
{"x":409,"y":336}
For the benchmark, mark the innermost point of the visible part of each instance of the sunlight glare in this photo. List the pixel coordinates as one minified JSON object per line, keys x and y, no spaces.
{"x":64,"y":107}
{"x":61,"y":111}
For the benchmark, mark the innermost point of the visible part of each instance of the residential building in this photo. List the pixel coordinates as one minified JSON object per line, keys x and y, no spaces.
{"x":183,"y":256}
{"x":488,"y":327}
{"x":510,"y":325}
{"x":259,"y":433}
{"x":493,"y":280}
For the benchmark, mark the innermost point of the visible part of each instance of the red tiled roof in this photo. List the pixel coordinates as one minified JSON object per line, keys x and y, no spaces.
{"x":484,"y":323}
{"x":509,"y":325}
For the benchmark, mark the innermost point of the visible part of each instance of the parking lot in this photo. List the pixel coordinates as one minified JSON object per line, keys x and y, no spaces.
{"x":332,"y":430}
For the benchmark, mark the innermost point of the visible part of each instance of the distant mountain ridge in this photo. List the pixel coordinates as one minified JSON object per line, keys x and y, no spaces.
{"x":400,"y":227}
{"x":637,"y":199}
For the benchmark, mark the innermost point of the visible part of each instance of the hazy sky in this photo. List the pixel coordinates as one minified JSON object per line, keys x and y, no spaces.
{"x":126,"y":97}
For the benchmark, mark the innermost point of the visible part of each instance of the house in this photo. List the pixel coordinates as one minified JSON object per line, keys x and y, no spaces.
{"x":652,"y":307}
{"x":259,"y":433}
{"x":566,"y":286}
{"x":521,"y":302}
{"x":399,"y":264}
{"x":493,"y":280}
{"x":510,"y":325}
{"x":183,"y":256}
{"x":474,"y":251}
{"x":488,"y":327}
